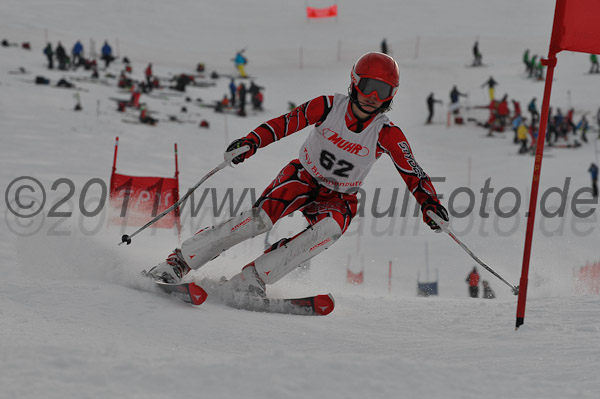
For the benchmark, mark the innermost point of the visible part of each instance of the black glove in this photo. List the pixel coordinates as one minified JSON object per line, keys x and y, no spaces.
{"x":432,"y":205}
{"x":240,"y":143}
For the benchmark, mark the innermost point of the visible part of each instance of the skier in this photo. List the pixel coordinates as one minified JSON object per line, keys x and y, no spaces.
{"x":594,"y":173}
{"x":430,"y":105}
{"x":350,"y":134}
{"x":477,"y":56}
{"x":239,"y":60}
{"x":473,"y":281}
{"x":491,"y":84}
{"x":595,"y":68}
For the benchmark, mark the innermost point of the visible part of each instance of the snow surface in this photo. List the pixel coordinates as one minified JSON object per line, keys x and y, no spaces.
{"x":77,"y":320}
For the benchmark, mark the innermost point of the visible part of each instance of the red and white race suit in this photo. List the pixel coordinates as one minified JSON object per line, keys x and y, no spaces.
{"x":334,"y":160}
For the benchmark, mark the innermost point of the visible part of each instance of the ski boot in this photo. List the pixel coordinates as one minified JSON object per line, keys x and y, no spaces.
{"x":247,"y":282}
{"x":171,"y":270}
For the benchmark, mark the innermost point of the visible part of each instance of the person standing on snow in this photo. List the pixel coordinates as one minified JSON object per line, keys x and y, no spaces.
{"x":106,"y":52}
{"x":241,"y":90}
{"x":430,"y":107}
{"x":532,"y":108}
{"x":232,"y":92}
{"x":148,"y":73}
{"x":49,"y":53}
{"x":350,"y":133}
{"x":594,"y":173}
{"x":491,"y":84}
{"x":77,"y":54}
{"x":61,"y":57}
{"x":595,"y":68}
{"x":454,"y":99}
{"x":473,"y":281}
{"x":240,"y":61}
{"x":384,"y":46}
{"x":477,"y":56}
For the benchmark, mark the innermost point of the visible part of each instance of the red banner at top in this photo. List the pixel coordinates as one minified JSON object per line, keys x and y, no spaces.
{"x":327,"y":12}
{"x":576,"y":26}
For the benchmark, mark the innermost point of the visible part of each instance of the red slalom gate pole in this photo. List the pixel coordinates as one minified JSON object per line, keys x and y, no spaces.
{"x":537,"y":168}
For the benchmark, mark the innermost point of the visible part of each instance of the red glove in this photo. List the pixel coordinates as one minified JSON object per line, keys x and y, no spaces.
{"x":432,"y":205}
{"x":240,"y":143}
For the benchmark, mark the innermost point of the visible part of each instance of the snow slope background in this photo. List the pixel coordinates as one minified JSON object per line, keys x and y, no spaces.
{"x":77,"y":320}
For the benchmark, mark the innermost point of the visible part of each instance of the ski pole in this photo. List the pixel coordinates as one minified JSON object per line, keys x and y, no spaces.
{"x":444,"y":225}
{"x":228,"y":157}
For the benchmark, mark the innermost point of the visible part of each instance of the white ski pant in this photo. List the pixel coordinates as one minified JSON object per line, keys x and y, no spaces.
{"x":274,"y":264}
{"x":208,"y":243}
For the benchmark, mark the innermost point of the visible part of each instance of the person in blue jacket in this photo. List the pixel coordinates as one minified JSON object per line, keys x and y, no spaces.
{"x":239,"y":61}
{"x":106,"y":52}
{"x":77,"y":53}
{"x":594,"y":173}
{"x":232,"y":91}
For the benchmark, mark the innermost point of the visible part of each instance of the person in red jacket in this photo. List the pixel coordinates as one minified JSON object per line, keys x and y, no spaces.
{"x":350,"y":134}
{"x":473,"y":281}
{"x":148,"y":74}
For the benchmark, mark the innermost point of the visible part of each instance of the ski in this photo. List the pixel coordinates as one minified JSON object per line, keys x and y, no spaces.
{"x":194,"y":294}
{"x":318,"y":305}
{"x":187,"y":292}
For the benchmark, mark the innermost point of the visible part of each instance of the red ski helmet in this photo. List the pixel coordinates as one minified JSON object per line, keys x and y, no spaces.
{"x":376,"y":74}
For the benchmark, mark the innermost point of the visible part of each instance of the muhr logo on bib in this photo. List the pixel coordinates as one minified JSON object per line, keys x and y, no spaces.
{"x":348,"y":146}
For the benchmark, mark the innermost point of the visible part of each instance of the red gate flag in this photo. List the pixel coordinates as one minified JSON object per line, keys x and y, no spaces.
{"x":134,"y":200}
{"x":576,"y":26}
{"x":326,"y":12}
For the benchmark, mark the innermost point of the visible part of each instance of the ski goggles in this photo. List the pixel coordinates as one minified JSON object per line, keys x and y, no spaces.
{"x":369,"y":87}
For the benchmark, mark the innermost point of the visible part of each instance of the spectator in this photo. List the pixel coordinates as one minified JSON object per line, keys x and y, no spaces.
{"x":77,"y":53}
{"x":106,"y":54}
{"x":594,"y":173}
{"x":49,"y":55}
{"x":473,"y":281}
{"x":430,"y":106}
{"x":384,"y":46}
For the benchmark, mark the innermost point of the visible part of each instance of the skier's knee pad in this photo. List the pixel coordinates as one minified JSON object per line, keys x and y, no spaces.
{"x":272,"y":266}
{"x":208,"y":243}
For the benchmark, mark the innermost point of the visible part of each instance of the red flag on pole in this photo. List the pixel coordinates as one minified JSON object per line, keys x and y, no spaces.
{"x":327,"y":12}
{"x":575,"y":28}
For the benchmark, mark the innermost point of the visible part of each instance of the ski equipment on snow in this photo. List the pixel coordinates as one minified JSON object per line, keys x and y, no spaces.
{"x":187,"y":292}
{"x":194,"y":294}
